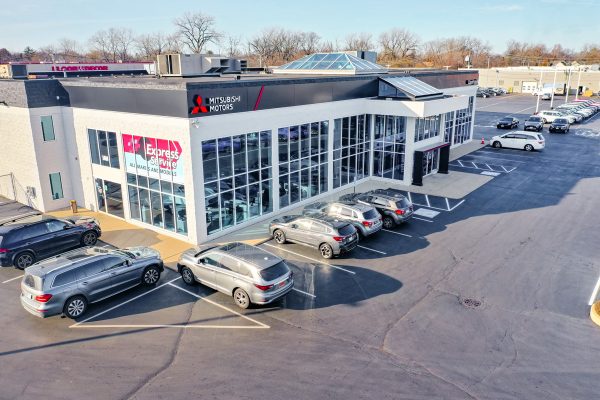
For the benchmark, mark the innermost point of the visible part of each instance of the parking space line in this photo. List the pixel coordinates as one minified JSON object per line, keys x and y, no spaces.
{"x":77,"y":324}
{"x":461,"y":164}
{"x":368,"y":248}
{"x":462,"y":201}
{"x":474,"y":155}
{"x":409,"y":197}
{"x":306,"y":293}
{"x":490,"y":168}
{"x":504,"y":168}
{"x":594,"y":293}
{"x":13,"y":279}
{"x":447,"y":203}
{"x":397,"y":233}
{"x":173,"y":326}
{"x":427,"y":199}
{"x":312,"y":259}
{"x":422,"y":219}
{"x":214,"y":303}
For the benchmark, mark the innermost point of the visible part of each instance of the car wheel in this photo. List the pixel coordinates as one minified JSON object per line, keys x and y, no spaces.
{"x":151,"y":276}
{"x":388,"y":222}
{"x":241,"y":298}
{"x":188,"y":276}
{"x":326,"y":251}
{"x":75,"y":307}
{"x":24,"y":260}
{"x":89,"y":238}
{"x":528,"y":147}
{"x":497,"y":144}
{"x":279,"y":236}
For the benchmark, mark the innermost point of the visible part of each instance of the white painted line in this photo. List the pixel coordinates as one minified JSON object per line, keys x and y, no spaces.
{"x":306,"y":293}
{"x":88,"y":326}
{"x":512,"y":169}
{"x":397,"y":233}
{"x":422,"y":219}
{"x":594,"y":293}
{"x":475,"y":165}
{"x":447,"y":203}
{"x":478,"y":169}
{"x":409,"y":197}
{"x":219,"y":305}
{"x":13,"y":279}
{"x":462,"y":201}
{"x":370,"y":249}
{"x":504,"y":168}
{"x":490,"y":168}
{"x":474,"y":155}
{"x":489,"y":173}
{"x":121,"y":304}
{"x":312,"y":259}
{"x":424,"y":212}
{"x":427,"y":199}
{"x":461,"y":164}
{"x":425,"y":205}
{"x":517,"y":112}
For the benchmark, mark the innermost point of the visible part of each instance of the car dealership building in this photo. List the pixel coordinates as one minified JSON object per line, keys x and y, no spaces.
{"x":199,"y":157}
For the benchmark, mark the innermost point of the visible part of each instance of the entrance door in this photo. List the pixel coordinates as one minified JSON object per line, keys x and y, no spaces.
{"x":110,"y":197}
{"x":430,"y":162}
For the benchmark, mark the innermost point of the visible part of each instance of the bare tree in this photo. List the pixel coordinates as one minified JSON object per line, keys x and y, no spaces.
{"x":69,"y":49}
{"x":173,"y":44}
{"x":49,"y":53}
{"x":232,"y":45}
{"x":196,"y":30}
{"x":360,"y":41}
{"x":308,"y":42}
{"x":330,"y":47}
{"x":124,"y":40}
{"x":265,"y":46}
{"x":398,"y":44}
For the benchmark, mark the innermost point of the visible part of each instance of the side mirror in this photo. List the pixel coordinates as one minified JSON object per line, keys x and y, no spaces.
{"x":67,"y":227}
{"x":294,"y":226}
{"x":201,"y":261}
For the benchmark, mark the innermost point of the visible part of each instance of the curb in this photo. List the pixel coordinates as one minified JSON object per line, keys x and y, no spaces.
{"x":595,"y":312}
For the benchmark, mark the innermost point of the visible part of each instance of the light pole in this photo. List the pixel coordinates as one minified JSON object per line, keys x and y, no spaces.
{"x":568,"y":86}
{"x":578,"y":82}
{"x":541,"y":85}
{"x":497,"y":72}
{"x":553,"y":88}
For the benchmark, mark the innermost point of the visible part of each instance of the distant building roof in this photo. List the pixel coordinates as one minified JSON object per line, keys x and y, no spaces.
{"x":330,"y":64}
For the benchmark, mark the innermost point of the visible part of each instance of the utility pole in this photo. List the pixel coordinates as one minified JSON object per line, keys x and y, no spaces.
{"x":578,"y":82}
{"x":568,"y":86}
{"x":541,"y":86}
{"x":553,"y":88}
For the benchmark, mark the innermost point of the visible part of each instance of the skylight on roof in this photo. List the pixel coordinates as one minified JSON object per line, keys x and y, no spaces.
{"x":330,"y":63}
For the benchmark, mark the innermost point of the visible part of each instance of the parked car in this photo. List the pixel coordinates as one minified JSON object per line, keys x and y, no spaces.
{"x":25,"y":241}
{"x":365,"y":218}
{"x":546,"y":96}
{"x":549,"y":115}
{"x":559,"y":125}
{"x":519,"y":140}
{"x":330,"y":235}
{"x":393,"y":206}
{"x":508,"y":123}
{"x":69,"y":282}
{"x":533,"y":123}
{"x":248,"y":273}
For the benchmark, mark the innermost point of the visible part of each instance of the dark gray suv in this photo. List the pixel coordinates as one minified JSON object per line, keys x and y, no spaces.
{"x":331,"y":236}
{"x":69,"y":282}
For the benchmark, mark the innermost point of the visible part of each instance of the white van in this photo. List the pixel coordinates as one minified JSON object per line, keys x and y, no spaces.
{"x":519,"y":140}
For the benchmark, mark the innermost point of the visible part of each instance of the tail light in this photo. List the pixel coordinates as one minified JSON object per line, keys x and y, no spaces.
{"x":338,"y":238}
{"x":3,"y":250}
{"x":368,"y":224}
{"x":263,"y":287}
{"x":399,"y":212}
{"x":43,"y":298}
{"x":541,"y":142}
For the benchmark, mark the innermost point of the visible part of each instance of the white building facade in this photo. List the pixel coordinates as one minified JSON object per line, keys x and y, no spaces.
{"x":199,"y":159}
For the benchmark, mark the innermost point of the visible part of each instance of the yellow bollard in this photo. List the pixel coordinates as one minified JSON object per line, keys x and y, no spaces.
{"x":595,"y":312}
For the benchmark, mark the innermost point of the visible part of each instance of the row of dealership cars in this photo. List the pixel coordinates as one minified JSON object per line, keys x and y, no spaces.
{"x":490,"y":91}
{"x":65,"y":270}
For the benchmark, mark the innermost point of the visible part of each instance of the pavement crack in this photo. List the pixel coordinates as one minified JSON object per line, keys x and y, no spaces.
{"x":172,"y":357}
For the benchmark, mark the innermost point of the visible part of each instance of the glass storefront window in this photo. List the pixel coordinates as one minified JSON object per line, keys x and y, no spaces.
{"x":389,"y":146}
{"x":237,"y":178}
{"x":352,"y":140}
{"x":462,"y":123}
{"x":428,"y":127}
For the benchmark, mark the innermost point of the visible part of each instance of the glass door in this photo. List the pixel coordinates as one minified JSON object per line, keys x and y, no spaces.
{"x":110,"y":197}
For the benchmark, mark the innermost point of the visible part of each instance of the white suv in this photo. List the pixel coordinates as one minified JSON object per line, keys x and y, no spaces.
{"x":549,"y":115}
{"x":519,"y":140}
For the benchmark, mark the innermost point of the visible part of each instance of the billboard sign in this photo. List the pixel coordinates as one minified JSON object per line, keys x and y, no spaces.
{"x":154,"y":158}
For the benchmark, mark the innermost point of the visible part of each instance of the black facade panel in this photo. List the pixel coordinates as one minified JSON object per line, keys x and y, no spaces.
{"x":45,"y":93}
{"x":169,"y":103}
{"x":273,"y":96}
{"x":206,"y":101}
{"x":444,"y":159}
{"x":313,"y":93}
{"x":418,"y":169}
{"x":348,"y":90}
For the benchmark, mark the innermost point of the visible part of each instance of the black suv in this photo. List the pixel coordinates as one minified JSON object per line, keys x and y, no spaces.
{"x":27,"y":240}
{"x":508,"y":123}
{"x":533,"y":123}
{"x":393,"y":206}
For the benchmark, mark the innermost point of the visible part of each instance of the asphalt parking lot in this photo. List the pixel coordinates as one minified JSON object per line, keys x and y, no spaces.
{"x":481,"y":297}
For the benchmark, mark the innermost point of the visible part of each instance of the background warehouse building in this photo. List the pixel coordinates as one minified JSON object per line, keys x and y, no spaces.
{"x":198,"y":157}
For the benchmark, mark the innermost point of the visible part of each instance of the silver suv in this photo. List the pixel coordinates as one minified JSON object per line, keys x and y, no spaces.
{"x":69,"y":282}
{"x":365,"y":218}
{"x":392,"y":205}
{"x":331,"y":236}
{"x":248,"y":273}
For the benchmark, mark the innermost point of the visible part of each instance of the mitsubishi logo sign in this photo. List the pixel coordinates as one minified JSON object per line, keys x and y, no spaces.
{"x":199,"y":107}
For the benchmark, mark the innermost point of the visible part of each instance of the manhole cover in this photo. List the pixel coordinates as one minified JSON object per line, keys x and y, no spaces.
{"x":471,"y":303}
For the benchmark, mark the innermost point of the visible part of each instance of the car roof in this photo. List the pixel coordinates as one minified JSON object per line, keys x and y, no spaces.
{"x":387,"y":193}
{"x":256,"y":256}
{"x":326,"y":219}
{"x":17,"y":222}
{"x":66,"y":260}
{"x":359,"y":206}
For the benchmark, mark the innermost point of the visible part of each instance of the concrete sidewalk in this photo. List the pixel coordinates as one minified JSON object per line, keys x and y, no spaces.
{"x":120,"y":233}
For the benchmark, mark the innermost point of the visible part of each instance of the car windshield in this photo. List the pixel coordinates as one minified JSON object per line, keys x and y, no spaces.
{"x":126,"y":253}
{"x":1,"y":240}
{"x":540,"y":137}
{"x":403,"y":203}
{"x":534,"y":119}
{"x":274,"y":272}
{"x":371,"y":214}
{"x":346,"y":230}
{"x":560,"y":121}
{"x":506,"y":120}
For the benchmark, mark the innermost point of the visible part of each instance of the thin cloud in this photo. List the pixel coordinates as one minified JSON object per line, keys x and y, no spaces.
{"x":503,"y":8}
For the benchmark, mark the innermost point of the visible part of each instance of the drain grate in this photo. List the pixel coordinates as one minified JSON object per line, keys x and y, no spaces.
{"x":471,"y":303}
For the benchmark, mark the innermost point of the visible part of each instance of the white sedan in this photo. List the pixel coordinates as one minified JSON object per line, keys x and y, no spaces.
{"x":519,"y":140}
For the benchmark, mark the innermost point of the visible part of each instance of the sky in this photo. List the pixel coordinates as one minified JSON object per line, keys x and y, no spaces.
{"x":572,"y":23}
